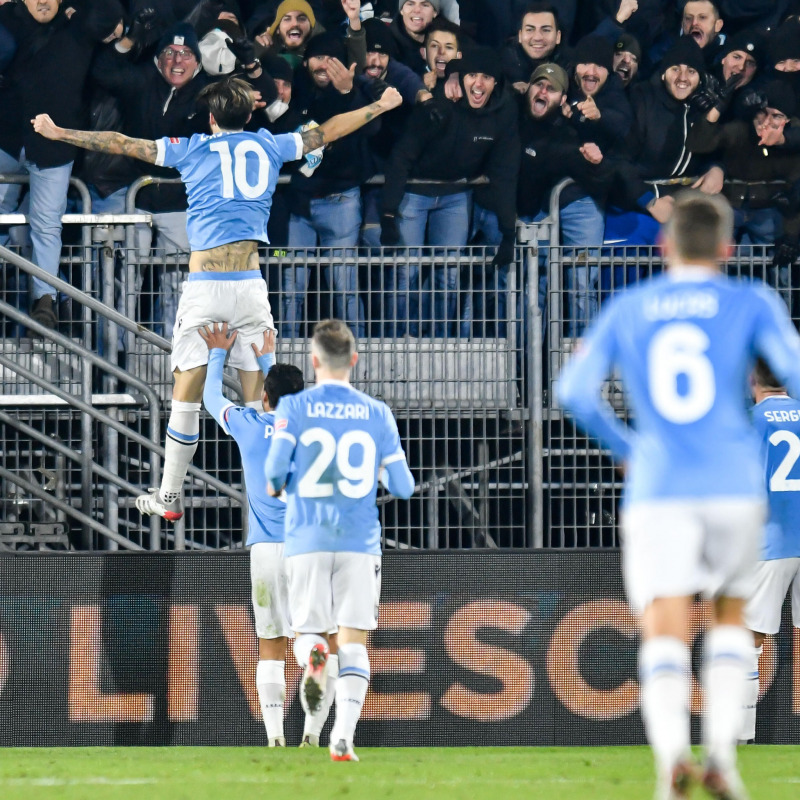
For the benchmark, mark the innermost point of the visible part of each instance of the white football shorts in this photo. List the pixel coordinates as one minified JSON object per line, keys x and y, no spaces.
{"x":773,"y":579}
{"x":238,"y":298}
{"x":332,"y":590}
{"x":270,"y":590}
{"x":676,"y":548}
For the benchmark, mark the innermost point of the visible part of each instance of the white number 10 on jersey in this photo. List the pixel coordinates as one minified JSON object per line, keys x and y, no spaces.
{"x":234,"y":168}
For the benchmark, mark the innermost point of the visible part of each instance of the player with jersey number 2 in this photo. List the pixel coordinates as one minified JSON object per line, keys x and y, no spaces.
{"x":332,"y":445}
{"x":230,"y":177}
{"x":776,"y":417}
{"x":694,"y":505}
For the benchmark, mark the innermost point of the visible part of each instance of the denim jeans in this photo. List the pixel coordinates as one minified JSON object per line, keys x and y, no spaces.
{"x":582,"y":228}
{"x":762,"y":226}
{"x":446,"y":219}
{"x":489,"y":285}
{"x":44,"y":205}
{"x":335,"y":222}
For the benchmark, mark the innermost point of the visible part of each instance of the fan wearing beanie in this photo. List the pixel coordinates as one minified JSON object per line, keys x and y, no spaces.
{"x":450,"y":143}
{"x":408,"y":30}
{"x":753,"y":152}
{"x":727,"y":88}
{"x":597,"y":104}
{"x":289,"y":32}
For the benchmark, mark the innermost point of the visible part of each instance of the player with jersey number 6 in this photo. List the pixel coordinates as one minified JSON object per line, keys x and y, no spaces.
{"x":332,"y":445}
{"x":776,"y":417}
{"x":230,"y":178}
{"x":694,"y":504}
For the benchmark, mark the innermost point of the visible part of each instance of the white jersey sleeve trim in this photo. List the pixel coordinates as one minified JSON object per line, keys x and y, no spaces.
{"x":221,"y":419}
{"x":284,"y":435}
{"x":299,"y":142}
{"x":399,"y":456}
{"x":161,"y":152}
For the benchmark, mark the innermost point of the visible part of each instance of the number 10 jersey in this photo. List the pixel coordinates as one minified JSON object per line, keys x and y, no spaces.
{"x":230,"y":178}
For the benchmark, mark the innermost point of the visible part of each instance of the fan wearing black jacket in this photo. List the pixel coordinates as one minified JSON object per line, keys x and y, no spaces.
{"x":656,"y":148}
{"x":324,"y":195}
{"x":47,"y":75}
{"x":451,"y":143}
{"x":551,"y":151}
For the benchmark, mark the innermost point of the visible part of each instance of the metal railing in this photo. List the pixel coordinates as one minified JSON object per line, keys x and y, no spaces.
{"x":467,"y":366}
{"x":461,"y":402}
{"x":581,"y":488}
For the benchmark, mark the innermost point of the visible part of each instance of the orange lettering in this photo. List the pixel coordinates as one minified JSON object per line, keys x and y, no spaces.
{"x":84,"y":701}
{"x":564,"y":670}
{"x":699,"y":620}
{"x":242,"y":642}
{"x":5,"y":663}
{"x":404,"y":660}
{"x":511,"y":670}
{"x":182,"y":666}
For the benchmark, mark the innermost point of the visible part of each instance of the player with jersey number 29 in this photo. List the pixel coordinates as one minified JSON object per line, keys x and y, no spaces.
{"x":332,"y":445}
{"x":230,"y":177}
{"x":694,"y":503}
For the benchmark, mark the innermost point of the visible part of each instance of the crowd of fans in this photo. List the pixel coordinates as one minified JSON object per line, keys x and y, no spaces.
{"x":631,"y":99}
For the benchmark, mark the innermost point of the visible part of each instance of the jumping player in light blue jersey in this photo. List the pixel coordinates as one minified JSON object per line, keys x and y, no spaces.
{"x":331,"y":447}
{"x":230,"y":177}
{"x":684,"y":344}
{"x":253,"y":432}
{"x":776,"y":417}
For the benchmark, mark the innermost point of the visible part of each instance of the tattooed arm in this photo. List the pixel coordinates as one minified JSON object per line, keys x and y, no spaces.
{"x":343,"y":124}
{"x":100,"y":141}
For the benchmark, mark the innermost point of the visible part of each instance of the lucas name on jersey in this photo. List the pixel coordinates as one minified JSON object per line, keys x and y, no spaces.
{"x":703,"y":303}
{"x":782,"y":416}
{"x":337,"y":410}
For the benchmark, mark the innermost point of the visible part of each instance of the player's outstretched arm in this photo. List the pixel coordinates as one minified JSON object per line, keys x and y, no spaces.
{"x":219,"y":342}
{"x":99,"y":141}
{"x":344,"y":124}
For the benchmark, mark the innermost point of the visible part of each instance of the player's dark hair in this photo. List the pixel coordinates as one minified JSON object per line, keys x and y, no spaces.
{"x":441,"y":23}
{"x":699,"y":225}
{"x":540,"y":8}
{"x":764,"y":377}
{"x":230,"y":101}
{"x":282,"y":379}
{"x":334,"y":343}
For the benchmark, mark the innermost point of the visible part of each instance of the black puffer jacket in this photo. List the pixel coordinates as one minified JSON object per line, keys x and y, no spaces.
{"x":408,"y":48}
{"x":452,"y":142}
{"x":47,"y":76}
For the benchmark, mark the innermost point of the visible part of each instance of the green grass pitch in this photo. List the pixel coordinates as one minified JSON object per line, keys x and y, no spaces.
{"x":467,"y":773}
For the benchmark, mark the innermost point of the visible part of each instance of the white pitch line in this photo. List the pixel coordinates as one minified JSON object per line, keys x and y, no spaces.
{"x":77,"y":781}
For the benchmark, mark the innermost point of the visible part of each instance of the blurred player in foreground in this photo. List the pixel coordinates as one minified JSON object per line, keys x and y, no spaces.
{"x":331,"y":446}
{"x":684,"y":344}
{"x":253,"y":432}
{"x":230,"y":178}
{"x":776,"y":417}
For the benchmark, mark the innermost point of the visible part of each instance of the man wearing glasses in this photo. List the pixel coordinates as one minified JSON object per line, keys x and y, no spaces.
{"x":158,"y":100}
{"x":760,"y":173}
